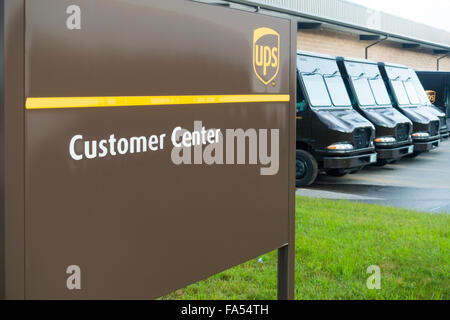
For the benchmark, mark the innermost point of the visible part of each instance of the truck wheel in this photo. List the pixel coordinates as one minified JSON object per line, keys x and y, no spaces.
{"x":336,"y":173}
{"x":306,"y":169}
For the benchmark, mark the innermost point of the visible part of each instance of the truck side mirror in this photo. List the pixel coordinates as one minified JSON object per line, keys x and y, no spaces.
{"x":301,"y":106}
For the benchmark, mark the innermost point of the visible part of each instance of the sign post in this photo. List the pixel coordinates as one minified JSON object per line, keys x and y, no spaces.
{"x":146,"y":145}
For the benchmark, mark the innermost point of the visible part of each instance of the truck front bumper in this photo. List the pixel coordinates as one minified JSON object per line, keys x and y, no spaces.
{"x":427,"y":145}
{"x":395,"y":153}
{"x":444,"y":134}
{"x":349,"y":162}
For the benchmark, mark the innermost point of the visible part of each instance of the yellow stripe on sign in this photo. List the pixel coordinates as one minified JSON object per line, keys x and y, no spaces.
{"x":99,"y":102}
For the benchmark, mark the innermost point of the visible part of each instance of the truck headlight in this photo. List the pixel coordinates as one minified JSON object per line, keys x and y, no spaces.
{"x":341,"y":147}
{"x":385,"y":140}
{"x":420,"y":134}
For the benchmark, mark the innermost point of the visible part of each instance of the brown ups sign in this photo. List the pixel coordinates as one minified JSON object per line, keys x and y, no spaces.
{"x":145,"y":145}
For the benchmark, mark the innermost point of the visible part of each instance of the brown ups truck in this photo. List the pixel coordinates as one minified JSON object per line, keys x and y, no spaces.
{"x":437,"y":86}
{"x":331,"y":135}
{"x":370,"y":97}
{"x":425,"y":102}
{"x":426,"y":124}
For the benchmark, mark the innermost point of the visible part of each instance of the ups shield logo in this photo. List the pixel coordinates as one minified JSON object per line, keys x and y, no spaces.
{"x":432,"y":96}
{"x":266,"y":54}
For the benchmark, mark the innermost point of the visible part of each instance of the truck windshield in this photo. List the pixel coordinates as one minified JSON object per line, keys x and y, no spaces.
{"x":411,"y":91}
{"x":422,"y":94}
{"x":363,"y":91}
{"x":337,"y":90}
{"x":316,"y":90}
{"x":380,"y":92}
{"x":400,"y":92}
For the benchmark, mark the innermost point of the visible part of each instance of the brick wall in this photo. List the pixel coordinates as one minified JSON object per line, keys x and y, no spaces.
{"x":345,"y":44}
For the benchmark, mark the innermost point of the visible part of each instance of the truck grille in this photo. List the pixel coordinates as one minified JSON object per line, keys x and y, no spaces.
{"x":402,"y":132}
{"x":434,"y":128}
{"x":443,"y":123}
{"x":362,"y":138}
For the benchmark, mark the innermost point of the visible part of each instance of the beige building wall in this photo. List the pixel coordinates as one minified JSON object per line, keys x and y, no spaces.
{"x":345,"y":44}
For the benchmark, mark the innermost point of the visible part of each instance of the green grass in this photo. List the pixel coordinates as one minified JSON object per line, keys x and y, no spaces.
{"x":335,"y":243}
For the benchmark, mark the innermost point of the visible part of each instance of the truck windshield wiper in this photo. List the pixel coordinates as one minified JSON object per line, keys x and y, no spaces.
{"x":334,"y":74}
{"x":315,"y":71}
{"x":376,"y":77}
{"x":360,"y":76}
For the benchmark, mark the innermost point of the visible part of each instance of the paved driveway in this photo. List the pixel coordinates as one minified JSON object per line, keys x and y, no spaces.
{"x":422,"y":183}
